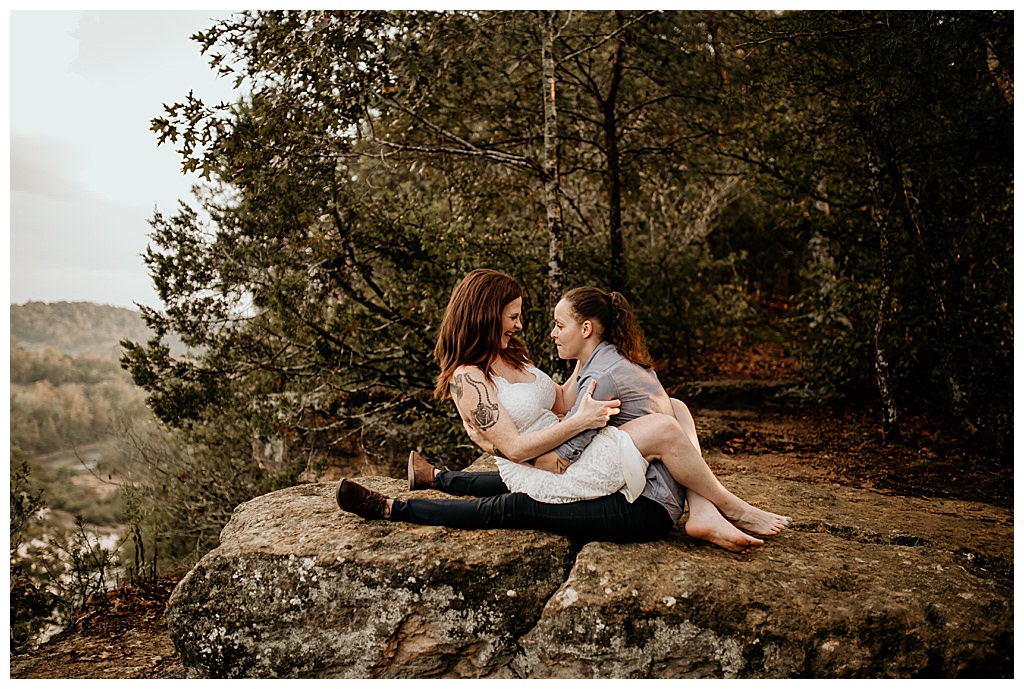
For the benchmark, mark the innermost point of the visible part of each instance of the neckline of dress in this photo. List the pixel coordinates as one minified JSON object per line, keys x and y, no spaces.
{"x":521,"y":382}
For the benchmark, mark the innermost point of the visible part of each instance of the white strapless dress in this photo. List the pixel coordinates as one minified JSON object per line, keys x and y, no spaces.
{"x":610,"y":464}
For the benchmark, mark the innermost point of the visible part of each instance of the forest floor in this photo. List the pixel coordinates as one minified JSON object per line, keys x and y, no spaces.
{"x":124,"y":635}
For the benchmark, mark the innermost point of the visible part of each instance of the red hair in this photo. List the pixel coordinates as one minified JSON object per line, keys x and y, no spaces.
{"x":471,"y":329}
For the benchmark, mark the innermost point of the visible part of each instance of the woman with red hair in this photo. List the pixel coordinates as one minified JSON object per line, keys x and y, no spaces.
{"x":586,"y":480}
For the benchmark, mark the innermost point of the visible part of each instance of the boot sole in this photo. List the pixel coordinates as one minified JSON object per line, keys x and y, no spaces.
{"x":337,"y":494}
{"x":411,"y":471}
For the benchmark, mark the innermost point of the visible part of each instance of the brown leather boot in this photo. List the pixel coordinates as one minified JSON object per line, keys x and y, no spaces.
{"x":421,"y":472}
{"x":368,"y":504}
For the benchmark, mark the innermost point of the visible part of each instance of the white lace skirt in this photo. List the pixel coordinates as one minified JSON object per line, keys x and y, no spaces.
{"x":610,"y":464}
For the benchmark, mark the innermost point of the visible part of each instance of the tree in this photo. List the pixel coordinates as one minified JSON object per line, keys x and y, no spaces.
{"x":342,"y":100}
{"x":380,"y":156}
{"x":894,"y":122}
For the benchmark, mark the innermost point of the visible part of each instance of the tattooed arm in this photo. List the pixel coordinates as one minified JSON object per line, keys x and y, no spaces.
{"x":549,"y":461}
{"x":477,"y":401}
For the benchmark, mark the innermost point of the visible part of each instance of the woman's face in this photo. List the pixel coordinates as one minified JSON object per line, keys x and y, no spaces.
{"x":567,"y":333}
{"x":511,"y":320}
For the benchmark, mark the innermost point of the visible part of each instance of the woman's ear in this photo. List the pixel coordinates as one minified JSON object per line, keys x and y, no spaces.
{"x":587,"y":328}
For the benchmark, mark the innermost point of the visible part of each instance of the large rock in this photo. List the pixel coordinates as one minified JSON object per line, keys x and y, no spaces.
{"x":297,"y":588}
{"x":863,"y":585}
{"x":869,"y":586}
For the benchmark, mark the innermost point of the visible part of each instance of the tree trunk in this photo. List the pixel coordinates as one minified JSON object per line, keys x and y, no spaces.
{"x":613,"y":176}
{"x":890,"y":416}
{"x":552,"y":192}
{"x":911,"y":220}
{"x":1002,"y":76}
{"x":879,"y":213}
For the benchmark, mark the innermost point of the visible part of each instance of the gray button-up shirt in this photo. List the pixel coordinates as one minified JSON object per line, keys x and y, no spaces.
{"x":640,"y":393}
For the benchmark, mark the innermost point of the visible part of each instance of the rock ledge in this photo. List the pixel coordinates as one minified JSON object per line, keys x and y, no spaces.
{"x":863,"y":585}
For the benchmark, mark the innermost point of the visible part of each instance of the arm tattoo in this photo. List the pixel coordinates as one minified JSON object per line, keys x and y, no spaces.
{"x":456,"y":386}
{"x":485,"y":415}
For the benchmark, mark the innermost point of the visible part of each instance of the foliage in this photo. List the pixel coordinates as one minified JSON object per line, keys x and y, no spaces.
{"x":56,"y":575}
{"x":179,"y":495}
{"x":52,"y":572}
{"x":892,"y":126}
{"x":30,"y":603}
{"x":82,"y":570}
{"x":59,"y":402}
{"x":25,"y":503}
{"x":372,"y":199}
{"x":709,"y":164}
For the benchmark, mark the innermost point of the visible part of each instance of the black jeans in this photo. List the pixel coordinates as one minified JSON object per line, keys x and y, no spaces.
{"x":610,"y":518}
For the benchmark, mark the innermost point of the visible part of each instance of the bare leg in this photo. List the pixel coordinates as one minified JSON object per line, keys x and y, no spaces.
{"x":705,"y":521}
{"x":685,"y":419}
{"x":658,"y":436}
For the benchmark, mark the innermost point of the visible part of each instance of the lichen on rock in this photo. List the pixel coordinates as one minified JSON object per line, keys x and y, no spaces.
{"x":299,"y":589}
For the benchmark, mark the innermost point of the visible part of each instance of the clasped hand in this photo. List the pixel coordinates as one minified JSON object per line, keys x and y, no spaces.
{"x":589,"y":414}
{"x":477,"y":437}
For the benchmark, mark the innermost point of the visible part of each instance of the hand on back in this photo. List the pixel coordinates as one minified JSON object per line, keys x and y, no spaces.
{"x":595,"y":413}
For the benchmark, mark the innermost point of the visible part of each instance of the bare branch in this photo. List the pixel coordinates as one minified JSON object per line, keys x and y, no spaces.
{"x":609,"y":37}
{"x":466,"y":148}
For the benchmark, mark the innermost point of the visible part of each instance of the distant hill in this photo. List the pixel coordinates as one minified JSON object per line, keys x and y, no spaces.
{"x":75,"y":328}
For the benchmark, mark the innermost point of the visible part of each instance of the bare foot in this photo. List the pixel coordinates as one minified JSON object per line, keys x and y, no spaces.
{"x":757,"y":521}
{"x":705,"y":526}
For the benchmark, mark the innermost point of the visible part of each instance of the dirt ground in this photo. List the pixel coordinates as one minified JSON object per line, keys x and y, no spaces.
{"x":124,"y":634}
{"x":119,"y":636}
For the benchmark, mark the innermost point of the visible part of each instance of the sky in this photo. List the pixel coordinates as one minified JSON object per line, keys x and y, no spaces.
{"x":85,"y":170}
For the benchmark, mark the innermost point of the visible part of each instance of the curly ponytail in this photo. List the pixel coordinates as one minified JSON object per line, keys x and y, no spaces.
{"x":618,"y":321}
